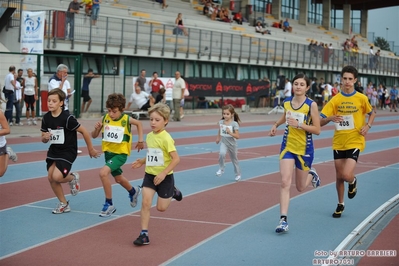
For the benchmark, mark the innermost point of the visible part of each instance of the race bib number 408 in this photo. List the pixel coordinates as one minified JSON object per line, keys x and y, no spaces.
{"x":346,"y":123}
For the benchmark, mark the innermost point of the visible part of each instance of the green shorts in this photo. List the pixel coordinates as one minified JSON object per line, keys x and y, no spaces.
{"x":115,"y":162}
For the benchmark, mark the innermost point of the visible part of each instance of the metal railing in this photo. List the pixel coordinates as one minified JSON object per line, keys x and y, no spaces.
{"x":157,"y":39}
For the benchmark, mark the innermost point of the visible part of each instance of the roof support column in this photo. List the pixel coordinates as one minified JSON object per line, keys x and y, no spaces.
{"x":303,"y":12}
{"x":363,"y":22}
{"x":347,"y":19}
{"x":326,"y":14}
{"x":276,"y":9}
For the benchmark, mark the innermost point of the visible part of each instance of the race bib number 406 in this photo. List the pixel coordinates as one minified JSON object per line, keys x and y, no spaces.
{"x":346,"y":123}
{"x":113,"y":134}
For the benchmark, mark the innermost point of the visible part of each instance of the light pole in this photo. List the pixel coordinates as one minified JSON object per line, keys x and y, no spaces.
{"x":387,"y":33}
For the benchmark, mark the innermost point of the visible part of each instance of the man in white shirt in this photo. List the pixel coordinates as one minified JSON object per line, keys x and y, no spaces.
{"x":287,"y":88}
{"x":141,"y":98}
{"x":9,"y":88}
{"x":178,"y":95}
{"x":59,"y":81}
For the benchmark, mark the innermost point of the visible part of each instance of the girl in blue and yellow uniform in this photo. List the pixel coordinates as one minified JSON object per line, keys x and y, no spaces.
{"x":115,"y":127}
{"x":301,"y":117}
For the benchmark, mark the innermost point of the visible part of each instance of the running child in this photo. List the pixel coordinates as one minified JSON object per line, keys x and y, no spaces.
{"x":59,"y":128}
{"x":115,"y":128}
{"x":160,"y":161}
{"x":6,"y":153}
{"x":301,"y":116}
{"x":227,"y":136}
{"x":347,"y":110}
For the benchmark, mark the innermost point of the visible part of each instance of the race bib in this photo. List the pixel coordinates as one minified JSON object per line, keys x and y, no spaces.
{"x":300,"y":117}
{"x":113,"y":134}
{"x":154,"y":157}
{"x":223,"y":130}
{"x":57,"y":136}
{"x":346,"y":124}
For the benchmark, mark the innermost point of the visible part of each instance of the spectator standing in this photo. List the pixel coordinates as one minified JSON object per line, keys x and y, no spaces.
{"x":59,"y":81}
{"x":371,"y":57}
{"x":73,"y":9}
{"x":21,"y":80}
{"x":359,"y":87}
{"x":178,"y":95}
{"x":374,"y":97}
{"x":287,"y":89}
{"x":85,"y":89}
{"x":9,"y":90}
{"x":155,"y":84}
{"x":30,"y":95}
{"x":394,"y":96}
{"x":17,"y":101}
{"x":95,"y":11}
{"x":381,"y":96}
{"x":141,"y":80}
{"x":369,"y":91}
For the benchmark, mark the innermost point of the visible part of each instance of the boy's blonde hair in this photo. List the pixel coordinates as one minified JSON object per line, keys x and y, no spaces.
{"x":162,"y":109}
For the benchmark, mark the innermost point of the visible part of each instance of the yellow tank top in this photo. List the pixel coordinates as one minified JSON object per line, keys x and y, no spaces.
{"x":116,"y":135}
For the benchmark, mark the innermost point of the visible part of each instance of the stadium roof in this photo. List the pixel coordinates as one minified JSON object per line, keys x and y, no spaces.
{"x":363,"y":4}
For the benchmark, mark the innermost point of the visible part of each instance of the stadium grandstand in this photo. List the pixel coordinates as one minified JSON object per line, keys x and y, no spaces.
{"x":141,"y":34}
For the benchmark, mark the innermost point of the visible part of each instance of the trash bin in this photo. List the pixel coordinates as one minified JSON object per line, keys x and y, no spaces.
{"x":268,"y":8}
{"x":43,"y":100}
{"x":58,"y":27}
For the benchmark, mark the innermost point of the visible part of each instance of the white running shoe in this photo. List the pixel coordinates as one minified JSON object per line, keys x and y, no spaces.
{"x":282,"y":226}
{"x":12,"y":155}
{"x":133,"y":199}
{"x":316,"y":179}
{"x":29,"y":122}
{"x":107,"y":210}
{"x":238,"y":178}
{"x":220,"y":172}
{"x":75,"y":184}
{"x":61,"y":208}
{"x":34,"y":122}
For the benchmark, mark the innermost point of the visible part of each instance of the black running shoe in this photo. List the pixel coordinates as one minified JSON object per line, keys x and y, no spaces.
{"x":338,"y":211}
{"x":352,"y":189}
{"x":177,"y":195}
{"x":143,"y":239}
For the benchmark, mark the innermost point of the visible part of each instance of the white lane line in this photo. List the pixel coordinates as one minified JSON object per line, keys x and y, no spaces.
{"x":183,"y":220}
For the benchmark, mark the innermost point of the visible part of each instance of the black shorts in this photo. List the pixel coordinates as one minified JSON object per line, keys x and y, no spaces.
{"x":165,"y":189}
{"x":61,"y":165}
{"x":347,"y":154}
{"x":29,"y":99}
{"x":85,"y":96}
{"x":146,"y":106}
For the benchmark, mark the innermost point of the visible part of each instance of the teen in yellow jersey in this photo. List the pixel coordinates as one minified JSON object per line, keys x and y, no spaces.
{"x":348,"y":110}
{"x":116,"y":145}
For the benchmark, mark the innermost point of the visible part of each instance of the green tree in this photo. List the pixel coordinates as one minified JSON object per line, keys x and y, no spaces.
{"x":382,"y":43}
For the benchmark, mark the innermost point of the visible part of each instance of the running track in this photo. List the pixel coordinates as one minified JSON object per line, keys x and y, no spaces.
{"x":219,"y":221}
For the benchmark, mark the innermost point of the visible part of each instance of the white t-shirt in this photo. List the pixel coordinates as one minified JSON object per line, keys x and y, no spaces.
{"x":30,"y":83}
{"x":139,"y":99}
{"x":18,"y":92}
{"x":179,"y":85}
{"x":287,"y":89}
{"x":7,"y":81}
{"x":54,"y":84}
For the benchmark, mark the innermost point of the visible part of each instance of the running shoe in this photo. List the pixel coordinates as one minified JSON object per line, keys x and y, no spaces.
{"x":74,"y":184}
{"x":107,"y":210}
{"x":177,"y":195}
{"x":316,"y":179}
{"x":352,"y":189}
{"x":29,"y":122}
{"x":282,"y":226}
{"x":12,"y":155}
{"x":143,"y":239}
{"x":220,"y":172}
{"x":238,"y":178}
{"x":338,"y":211}
{"x":133,"y":198}
{"x":61,"y":208}
{"x":34,"y":122}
